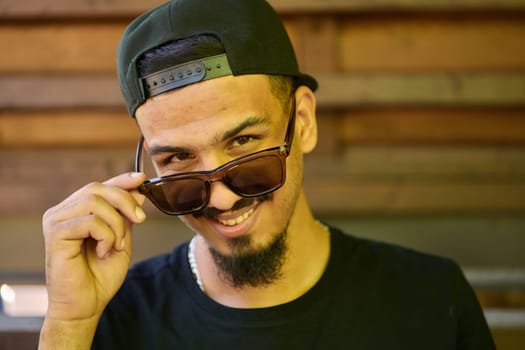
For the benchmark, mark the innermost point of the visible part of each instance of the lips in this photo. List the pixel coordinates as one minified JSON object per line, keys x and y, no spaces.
{"x":237,"y":220}
{"x":236,"y":223}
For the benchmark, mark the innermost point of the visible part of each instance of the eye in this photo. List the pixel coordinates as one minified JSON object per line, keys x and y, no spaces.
{"x":182,"y":156}
{"x":241,"y":140}
{"x":177,"y":158}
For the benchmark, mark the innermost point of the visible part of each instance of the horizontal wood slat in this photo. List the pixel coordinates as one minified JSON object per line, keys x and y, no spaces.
{"x":423,"y":164}
{"x":59,"y":91}
{"x":347,"y":197}
{"x":125,"y":8}
{"x":68,"y":129}
{"x":392,"y":5}
{"x":483,"y":89}
{"x":397,"y":180}
{"x":509,"y":338}
{"x":60,"y":47}
{"x":336,"y":90}
{"x":497,"y":298}
{"x":34,"y":180}
{"x":315,"y":41}
{"x":418,"y":44}
{"x":72,"y":8}
{"x":434,"y":126}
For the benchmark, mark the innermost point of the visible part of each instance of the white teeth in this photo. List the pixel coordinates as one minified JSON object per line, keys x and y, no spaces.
{"x":237,"y":221}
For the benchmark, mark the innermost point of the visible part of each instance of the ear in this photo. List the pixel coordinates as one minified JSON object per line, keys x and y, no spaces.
{"x":306,"y":121}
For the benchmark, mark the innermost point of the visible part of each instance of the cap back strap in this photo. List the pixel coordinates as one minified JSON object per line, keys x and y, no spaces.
{"x":185,"y":74}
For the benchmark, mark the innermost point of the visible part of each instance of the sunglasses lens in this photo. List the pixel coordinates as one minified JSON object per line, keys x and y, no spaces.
{"x":248,"y":178}
{"x":256,"y":177}
{"x":179,"y":196}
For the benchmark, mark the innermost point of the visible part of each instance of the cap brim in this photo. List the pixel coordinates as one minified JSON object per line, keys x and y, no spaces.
{"x":308,"y":80}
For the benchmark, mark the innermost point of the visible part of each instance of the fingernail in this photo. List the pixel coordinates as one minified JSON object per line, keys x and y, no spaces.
{"x":122,"y":244}
{"x":135,"y":175}
{"x":139,"y":213}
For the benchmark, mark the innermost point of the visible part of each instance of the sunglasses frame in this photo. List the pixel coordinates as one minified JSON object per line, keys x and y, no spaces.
{"x":217,"y":174}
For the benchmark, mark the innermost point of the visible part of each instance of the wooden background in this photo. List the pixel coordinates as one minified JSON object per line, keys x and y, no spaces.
{"x":421,"y":115}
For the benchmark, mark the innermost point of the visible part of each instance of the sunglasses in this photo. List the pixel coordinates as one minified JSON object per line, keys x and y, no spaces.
{"x":253,"y":175}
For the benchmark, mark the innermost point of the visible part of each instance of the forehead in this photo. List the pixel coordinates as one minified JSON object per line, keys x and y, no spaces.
{"x":208,"y":102}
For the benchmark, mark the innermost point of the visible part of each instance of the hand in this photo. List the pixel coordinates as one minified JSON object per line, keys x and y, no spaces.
{"x":88,"y":246}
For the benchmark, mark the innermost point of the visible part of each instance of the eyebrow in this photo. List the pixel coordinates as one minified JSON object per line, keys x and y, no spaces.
{"x":247,"y":123}
{"x":166,"y":149}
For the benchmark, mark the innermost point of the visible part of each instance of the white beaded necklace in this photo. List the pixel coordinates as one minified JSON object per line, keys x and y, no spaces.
{"x":193,"y":263}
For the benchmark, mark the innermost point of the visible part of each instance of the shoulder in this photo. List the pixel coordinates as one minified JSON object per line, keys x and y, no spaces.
{"x":408,"y":289}
{"x":391,"y":262}
{"x":399,"y":276}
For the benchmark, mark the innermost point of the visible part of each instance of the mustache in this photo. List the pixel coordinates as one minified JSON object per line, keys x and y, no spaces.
{"x":212,"y":212}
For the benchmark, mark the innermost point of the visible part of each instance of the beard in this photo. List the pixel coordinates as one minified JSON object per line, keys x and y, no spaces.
{"x":247,"y":264}
{"x":251,"y":266}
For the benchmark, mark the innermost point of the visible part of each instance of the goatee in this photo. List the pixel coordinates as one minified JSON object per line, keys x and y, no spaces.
{"x":252,"y":266}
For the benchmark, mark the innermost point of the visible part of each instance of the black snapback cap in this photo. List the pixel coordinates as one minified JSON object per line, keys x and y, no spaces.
{"x":254,"y":39}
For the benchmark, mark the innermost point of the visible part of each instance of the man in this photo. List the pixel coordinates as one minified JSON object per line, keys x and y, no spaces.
{"x":226,"y":117}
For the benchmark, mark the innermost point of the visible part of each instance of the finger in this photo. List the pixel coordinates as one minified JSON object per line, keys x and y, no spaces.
{"x":124,"y":182}
{"x":139,"y":197}
{"x":72,"y":234}
{"x":100,"y":208}
{"x":126,"y":243}
{"x":119,"y":199}
{"x":127,"y":181}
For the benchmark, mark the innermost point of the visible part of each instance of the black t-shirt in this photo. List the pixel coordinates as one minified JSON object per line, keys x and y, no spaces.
{"x":371,"y":296}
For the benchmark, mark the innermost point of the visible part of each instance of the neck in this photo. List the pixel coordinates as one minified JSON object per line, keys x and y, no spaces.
{"x":307,"y":256}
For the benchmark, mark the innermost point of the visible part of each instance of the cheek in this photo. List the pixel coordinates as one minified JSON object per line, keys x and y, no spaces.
{"x":294,"y":167}
{"x":288,"y":194}
{"x":190,"y":222}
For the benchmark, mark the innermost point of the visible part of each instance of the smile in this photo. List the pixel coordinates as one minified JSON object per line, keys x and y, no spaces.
{"x":238,"y":220}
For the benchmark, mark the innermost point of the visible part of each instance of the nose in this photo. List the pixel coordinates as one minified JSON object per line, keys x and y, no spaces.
{"x":221,"y":197}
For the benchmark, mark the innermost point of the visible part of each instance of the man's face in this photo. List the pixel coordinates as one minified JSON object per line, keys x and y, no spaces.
{"x":205,"y":125}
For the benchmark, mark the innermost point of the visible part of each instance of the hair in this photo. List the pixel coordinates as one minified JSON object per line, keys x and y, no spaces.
{"x":204,"y":45}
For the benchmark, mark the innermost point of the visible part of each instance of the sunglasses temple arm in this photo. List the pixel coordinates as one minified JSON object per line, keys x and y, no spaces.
{"x":291,"y":125}
{"x":138,"y":155}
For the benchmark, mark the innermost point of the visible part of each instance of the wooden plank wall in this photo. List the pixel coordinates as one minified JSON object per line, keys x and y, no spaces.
{"x":421,"y":116}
